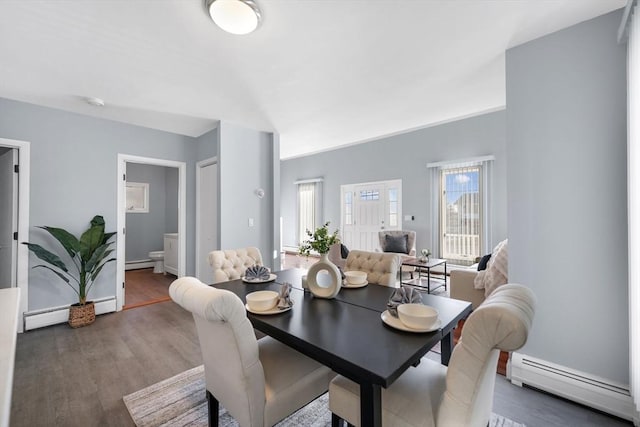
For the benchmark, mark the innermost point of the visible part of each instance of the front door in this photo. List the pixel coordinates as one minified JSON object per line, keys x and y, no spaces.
{"x":367,"y":209}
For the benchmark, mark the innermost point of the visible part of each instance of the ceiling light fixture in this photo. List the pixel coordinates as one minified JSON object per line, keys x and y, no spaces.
{"x":234,"y":16}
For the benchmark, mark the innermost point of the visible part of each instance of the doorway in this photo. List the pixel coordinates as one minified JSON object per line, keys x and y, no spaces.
{"x":366,"y":209}
{"x":14,"y":214}
{"x":141,"y":203}
{"x":206,"y":216}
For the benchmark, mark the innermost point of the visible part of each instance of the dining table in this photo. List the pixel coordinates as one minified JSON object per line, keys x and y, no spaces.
{"x":348,"y":334}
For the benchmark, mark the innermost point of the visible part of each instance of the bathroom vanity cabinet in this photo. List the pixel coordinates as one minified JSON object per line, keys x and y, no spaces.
{"x":171,"y":253}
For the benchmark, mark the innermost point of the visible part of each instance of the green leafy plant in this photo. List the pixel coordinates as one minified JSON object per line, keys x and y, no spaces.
{"x":89,"y":254}
{"x":319,"y":241}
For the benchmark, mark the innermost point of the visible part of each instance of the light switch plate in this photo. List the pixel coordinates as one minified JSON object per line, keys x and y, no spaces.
{"x":250,"y":222}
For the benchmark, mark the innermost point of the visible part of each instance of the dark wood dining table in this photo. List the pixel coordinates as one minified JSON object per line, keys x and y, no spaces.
{"x":347,"y":333}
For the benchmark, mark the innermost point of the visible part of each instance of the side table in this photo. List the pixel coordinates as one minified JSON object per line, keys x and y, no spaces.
{"x":422,"y":267}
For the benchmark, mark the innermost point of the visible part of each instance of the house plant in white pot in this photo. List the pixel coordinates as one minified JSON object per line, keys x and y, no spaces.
{"x":89,"y":254}
{"x":320,"y":241}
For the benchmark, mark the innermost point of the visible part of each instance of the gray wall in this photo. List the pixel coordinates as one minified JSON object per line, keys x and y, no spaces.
{"x":246,"y":163}
{"x":566,"y":127}
{"x":73,"y":178}
{"x":145,"y":231}
{"x":402,"y":157}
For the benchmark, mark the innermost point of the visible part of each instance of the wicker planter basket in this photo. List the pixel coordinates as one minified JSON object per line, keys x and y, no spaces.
{"x":82,"y":315}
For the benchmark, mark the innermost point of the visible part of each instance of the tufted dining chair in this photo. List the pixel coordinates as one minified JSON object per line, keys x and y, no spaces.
{"x":259,"y":382}
{"x":381,"y":268}
{"x":231,"y":264}
{"x":432,"y":394}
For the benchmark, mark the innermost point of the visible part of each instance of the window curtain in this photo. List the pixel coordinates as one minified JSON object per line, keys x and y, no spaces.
{"x":630,"y":29}
{"x":309,"y":212}
{"x":434,"y":170}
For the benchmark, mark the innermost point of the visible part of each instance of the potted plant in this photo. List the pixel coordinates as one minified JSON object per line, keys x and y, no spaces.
{"x":88,"y":254}
{"x":320,"y":241}
{"x":425,"y":255}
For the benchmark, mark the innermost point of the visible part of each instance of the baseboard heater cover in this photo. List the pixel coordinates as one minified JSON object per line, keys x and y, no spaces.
{"x":54,"y":315}
{"x":138,"y":264}
{"x":588,"y":389}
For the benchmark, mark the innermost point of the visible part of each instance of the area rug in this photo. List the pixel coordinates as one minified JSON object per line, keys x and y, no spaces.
{"x":180,"y":401}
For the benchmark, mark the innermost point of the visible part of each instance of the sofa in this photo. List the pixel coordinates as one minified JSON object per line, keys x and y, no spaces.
{"x":461,"y":286}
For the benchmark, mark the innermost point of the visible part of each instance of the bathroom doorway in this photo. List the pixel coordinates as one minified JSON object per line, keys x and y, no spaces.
{"x":151,"y":229}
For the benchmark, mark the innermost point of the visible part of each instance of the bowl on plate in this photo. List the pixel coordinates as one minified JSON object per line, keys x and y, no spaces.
{"x":417,"y":316}
{"x":262,"y":300}
{"x":355,"y":277}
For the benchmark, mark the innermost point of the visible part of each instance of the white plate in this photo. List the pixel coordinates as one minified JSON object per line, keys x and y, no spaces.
{"x":396,"y":323}
{"x":346,"y":284}
{"x":274,"y":310}
{"x":271,"y":278}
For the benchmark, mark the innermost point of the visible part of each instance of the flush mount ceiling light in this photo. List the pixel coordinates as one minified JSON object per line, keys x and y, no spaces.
{"x":96,"y":102}
{"x":234,"y":16}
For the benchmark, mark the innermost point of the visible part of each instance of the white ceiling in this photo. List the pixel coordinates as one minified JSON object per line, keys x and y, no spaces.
{"x":322,"y":73}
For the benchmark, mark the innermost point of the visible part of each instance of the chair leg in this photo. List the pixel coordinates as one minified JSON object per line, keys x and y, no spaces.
{"x":213,"y":408}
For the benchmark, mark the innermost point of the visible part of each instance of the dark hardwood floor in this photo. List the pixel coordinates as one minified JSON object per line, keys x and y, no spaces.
{"x":143,"y":287}
{"x":77,"y":377}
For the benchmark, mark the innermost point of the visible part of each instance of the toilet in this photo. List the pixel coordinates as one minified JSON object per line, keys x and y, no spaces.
{"x":158,"y":258}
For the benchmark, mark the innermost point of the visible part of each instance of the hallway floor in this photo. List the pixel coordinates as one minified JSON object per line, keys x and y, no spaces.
{"x":144,"y":287}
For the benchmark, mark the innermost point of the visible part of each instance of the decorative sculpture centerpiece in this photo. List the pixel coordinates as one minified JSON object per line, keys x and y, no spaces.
{"x":330,"y":278}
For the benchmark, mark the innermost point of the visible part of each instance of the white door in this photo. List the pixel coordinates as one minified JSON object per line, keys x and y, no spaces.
{"x":207,"y":219}
{"x":367,"y":209}
{"x":8,"y":217}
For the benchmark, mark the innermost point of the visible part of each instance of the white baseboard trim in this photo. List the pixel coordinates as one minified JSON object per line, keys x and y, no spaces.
{"x":588,"y":389}
{"x":135,"y":265}
{"x":54,"y":315}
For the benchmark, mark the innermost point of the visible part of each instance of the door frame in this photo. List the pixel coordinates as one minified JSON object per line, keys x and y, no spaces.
{"x":123,"y":159}
{"x":22,"y":256}
{"x":199,"y":165}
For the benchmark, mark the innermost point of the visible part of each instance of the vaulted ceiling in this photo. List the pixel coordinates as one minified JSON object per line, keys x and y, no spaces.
{"x":321,"y":73}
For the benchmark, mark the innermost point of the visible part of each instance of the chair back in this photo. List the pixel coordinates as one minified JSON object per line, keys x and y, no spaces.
{"x":232,"y":368}
{"x":381,"y":268}
{"x":501,"y":322}
{"x":231,"y":264}
{"x":411,"y":239}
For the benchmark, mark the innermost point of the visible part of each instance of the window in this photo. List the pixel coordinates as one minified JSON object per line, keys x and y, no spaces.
{"x":393,"y":207}
{"x":137,"y":194}
{"x":460,"y":209}
{"x":309,"y":207}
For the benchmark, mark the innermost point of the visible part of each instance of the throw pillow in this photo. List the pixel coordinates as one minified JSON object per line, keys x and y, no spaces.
{"x":344,"y":252}
{"x":397,"y":244}
{"x":482,"y":265}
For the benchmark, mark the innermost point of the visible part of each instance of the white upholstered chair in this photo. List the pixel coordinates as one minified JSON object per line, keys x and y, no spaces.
{"x":381,"y":268}
{"x":259,"y":382}
{"x":231,"y":264}
{"x":335,"y":255}
{"x":462,"y":394}
{"x":410,"y":241}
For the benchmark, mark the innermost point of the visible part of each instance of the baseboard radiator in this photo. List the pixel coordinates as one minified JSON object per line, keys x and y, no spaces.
{"x":137,"y":264}
{"x":54,"y":315}
{"x":587,"y":389}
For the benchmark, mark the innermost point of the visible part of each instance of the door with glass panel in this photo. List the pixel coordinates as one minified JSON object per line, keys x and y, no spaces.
{"x":461,"y":213}
{"x":367,"y":209}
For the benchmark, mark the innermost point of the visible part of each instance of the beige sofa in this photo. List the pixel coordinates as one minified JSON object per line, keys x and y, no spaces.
{"x":461,"y":286}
